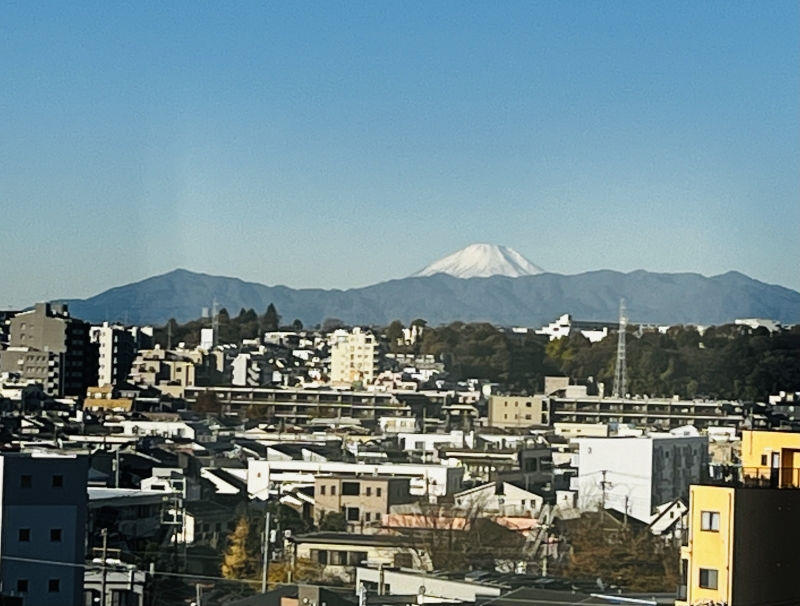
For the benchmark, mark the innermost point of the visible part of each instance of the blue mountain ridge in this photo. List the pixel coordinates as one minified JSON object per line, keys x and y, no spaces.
{"x":657,"y":298}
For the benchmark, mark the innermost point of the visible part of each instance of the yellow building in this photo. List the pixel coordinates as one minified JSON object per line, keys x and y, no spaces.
{"x":743,"y":546}
{"x":773,"y":455}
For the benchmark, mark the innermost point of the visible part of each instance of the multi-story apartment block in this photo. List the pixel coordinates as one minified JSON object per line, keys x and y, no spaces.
{"x":518,"y":411}
{"x":634,"y":475}
{"x":50,"y":347}
{"x":42,"y":528}
{"x":361,"y":498}
{"x":664,"y":413}
{"x":744,"y":532}
{"x":354,"y":357}
{"x":116,"y":352}
{"x":301,"y":406}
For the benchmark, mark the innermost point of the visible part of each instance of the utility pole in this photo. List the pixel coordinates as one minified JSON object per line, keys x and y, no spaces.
{"x":198,"y":594}
{"x":116,"y":468}
{"x":603,"y":489}
{"x":104,"y":534}
{"x":620,"y":372}
{"x":265,"y":548}
{"x":381,"y":577}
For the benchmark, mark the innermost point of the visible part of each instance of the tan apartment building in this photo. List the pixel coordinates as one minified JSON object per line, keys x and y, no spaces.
{"x":354,"y":357}
{"x":362,"y":499}
{"x":518,"y":411}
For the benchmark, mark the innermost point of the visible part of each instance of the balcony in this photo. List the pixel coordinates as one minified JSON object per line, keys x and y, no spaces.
{"x":758,"y":477}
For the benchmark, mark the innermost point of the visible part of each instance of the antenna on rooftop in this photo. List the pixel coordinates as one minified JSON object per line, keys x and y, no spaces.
{"x":620,"y":374}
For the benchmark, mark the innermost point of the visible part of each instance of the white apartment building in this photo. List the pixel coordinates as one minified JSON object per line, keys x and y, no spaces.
{"x":354,"y":357}
{"x":634,"y":475}
{"x":265,"y":477}
{"x":116,"y":351}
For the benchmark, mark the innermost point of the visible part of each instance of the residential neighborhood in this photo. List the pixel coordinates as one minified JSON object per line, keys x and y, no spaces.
{"x":340,"y":463}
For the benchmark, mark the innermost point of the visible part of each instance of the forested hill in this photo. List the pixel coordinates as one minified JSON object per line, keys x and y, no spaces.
{"x":522,"y":301}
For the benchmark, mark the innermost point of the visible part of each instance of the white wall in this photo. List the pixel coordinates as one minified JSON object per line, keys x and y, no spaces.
{"x":628,"y":464}
{"x":433,"y":480}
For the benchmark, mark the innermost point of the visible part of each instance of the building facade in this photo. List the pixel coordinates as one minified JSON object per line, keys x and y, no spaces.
{"x":50,"y":347}
{"x":116,"y":352}
{"x":518,"y":411}
{"x":634,"y":475}
{"x":362,"y":499}
{"x":43,"y":528}
{"x":354,"y":358}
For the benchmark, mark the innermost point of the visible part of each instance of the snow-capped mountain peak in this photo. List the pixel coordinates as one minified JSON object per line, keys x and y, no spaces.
{"x":482,"y":261}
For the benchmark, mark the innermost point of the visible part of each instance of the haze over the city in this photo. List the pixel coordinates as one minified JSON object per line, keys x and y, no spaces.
{"x":337,"y":144}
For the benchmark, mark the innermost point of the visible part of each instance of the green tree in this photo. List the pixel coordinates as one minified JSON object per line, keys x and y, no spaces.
{"x":271,"y":320}
{"x":297,"y":325}
{"x":394,"y":334}
{"x":333,"y":521}
{"x":207,"y":402}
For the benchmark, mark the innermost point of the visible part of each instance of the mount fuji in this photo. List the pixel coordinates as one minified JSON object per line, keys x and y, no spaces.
{"x":482,"y":261}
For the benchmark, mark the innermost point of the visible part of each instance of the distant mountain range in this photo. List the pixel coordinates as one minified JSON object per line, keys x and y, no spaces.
{"x":511,"y":301}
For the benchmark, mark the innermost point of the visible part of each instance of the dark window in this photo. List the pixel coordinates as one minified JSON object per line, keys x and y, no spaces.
{"x":764,"y":460}
{"x":55,"y":535}
{"x":333,"y":491}
{"x":320,"y":556}
{"x":22,"y":585}
{"x":54,"y":585}
{"x":708,"y":578}
{"x":369,"y":491}
{"x":58,"y":481}
{"x":353,"y":514}
{"x":530,"y":464}
{"x":357,"y":558}
{"x":24,"y":535}
{"x":367,"y":517}
{"x":26,"y":481}
{"x":322,"y":490}
{"x":378,"y":492}
{"x":351,"y":489}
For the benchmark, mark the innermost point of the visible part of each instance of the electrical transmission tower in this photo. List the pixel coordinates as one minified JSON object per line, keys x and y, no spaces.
{"x":620,"y":374}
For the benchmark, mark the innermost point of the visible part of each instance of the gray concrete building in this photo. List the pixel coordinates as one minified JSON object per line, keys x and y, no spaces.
{"x":48,"y":346}
{"x":43,"y":528}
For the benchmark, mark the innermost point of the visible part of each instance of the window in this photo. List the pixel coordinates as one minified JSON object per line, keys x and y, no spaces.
{"x":353,"y":514}
{"x":378,"y":492}
{"x":709,"y":520}
{"x":763,"y":460}
{"x":24,"y":535}
{"x":528,"y":404}
{"x":22,"y":585}
{"x":333,"y":491}
{"x":320,"y":556}
{"x":322,"y":490}
{"x":54,"y":585}
{"x":26,"y":482}
{"x":708,"y":578}
{"x":527,"y":417}
{"x":55,"y":535}
{"x":367,"y":517}
{"x":369,"y":491}
{"x":351,"y":489}
{"x":58,"y":481}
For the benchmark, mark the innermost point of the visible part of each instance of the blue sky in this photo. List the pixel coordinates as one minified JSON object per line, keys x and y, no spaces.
{"x":342,"y":144}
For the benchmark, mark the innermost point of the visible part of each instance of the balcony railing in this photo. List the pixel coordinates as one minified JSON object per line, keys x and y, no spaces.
{"x":757,"y":477}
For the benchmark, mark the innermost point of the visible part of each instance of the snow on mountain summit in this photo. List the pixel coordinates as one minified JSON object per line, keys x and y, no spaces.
{"x":482,"y":261}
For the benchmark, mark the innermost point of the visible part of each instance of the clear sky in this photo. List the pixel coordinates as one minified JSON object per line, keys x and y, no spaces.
{"x":342,"y":144}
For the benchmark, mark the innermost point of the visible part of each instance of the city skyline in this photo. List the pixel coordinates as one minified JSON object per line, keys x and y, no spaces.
{"x":340,"y":145}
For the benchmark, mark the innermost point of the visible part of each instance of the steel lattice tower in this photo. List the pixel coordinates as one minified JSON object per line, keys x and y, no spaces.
{"x":620,"y":373}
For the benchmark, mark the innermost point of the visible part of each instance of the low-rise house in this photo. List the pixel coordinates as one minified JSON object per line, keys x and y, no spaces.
{"x":340,"y":553}
{"x":363,"y":499}
{"x":500,"y":499}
